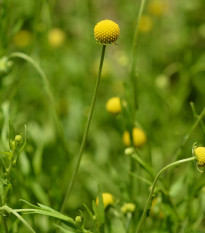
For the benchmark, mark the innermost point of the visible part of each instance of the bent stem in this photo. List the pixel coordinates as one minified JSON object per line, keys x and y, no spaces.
{"x":79,"y":157}
{"x":154,"y":185}
{"x":48,"y":92}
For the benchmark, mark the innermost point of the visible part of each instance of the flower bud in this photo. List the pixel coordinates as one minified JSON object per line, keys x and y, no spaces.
{"x":113,"y":105}
{"x":18,"y":139}
{"x":200,"y":156}
{"x":108,"y":199}
{"x":128,"y":207}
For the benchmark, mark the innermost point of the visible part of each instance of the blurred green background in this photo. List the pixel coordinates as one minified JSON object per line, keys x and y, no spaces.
{"x":171,"y":73}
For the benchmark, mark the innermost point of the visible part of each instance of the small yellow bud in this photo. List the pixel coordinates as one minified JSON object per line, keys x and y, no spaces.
{"x":200,"y":156}
{"x":138,"y":137}
{"x":113,"y":105}
{"x":78,"y":219}
{"x":126,"y":139}
{"x":128,"y":207}
{"x":56,"y":37}
{"x":106,"y":32}
{"x":18,"y":139}
{"x":129,"y":150}
{"x":108,"y":199}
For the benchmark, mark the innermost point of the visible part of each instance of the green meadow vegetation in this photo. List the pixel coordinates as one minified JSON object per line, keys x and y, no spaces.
{"x":102,"y":116}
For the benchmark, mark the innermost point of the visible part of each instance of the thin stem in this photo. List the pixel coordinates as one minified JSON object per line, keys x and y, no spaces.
{"x":134,"y":57}
{"x":154,"y":185}
{"x":48,"y":92}
{"x":4,"y":219}
{"x":79,"y":157}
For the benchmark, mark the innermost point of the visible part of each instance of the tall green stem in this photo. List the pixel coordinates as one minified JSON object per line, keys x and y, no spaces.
{"x":4,"y":218}
{"x":154,"y":185}
{"x":48,"y":92}
{"x":79,"y":157}
{"x":134,"y":57}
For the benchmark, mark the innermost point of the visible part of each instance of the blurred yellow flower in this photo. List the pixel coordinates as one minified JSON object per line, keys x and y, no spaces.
{"x":200,"y":156}
{"x":145,"y":24}
{"x":56,"y":37}
{"x":113,"y":105}
{"x":126,"y":139}
{"x":128,"y":207}
{"x":22,"y":39}
{"x":138,"y":137}
{"x":108,"y":199}
{"x":157,"y":7}
{"x":106,"y":32}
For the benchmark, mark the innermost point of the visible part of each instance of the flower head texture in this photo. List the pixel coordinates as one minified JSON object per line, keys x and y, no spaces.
{"x":200,"y":156}
{"x":113,"y":105}
{"x":108,"y":199}
{"x":106,"y":32}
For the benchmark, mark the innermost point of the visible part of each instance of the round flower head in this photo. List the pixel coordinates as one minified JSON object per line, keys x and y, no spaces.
{"x":108,"y":199}
{"x":200,"y":156}
{"x":138,"y":137}
{"x":113,"y":105}
{"x":106,"y":32}
{"x":126,"y":139}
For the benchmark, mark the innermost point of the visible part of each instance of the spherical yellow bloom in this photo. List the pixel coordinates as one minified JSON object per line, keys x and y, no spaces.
{"x":138,"y":137}
{"x":145,"y":24}
{"x":22,"y":38}
{"x":126,"y":139}
{"x":108,"y":199}
{"x":113,"y":105}
{"x":200,"y":155}
{"x":106,"y":32}
{"x":56,"y":37}
{"x":157,"y":7}
{"x":128,"y":207}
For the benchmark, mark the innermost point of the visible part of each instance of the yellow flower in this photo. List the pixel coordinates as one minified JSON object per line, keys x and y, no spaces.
{"x":108,"y":199}
{"x":138,"y":137}
{"x":56,"y":37}
{"x":128,"y":207}
{"x":106,"y":32}
{"x":145,"y":24}
{"x":200,"y":156}
{"x":157,"y":7}
{"x":113,"y":105}
{"x":126,"y":139}
{"x":22,"y":39}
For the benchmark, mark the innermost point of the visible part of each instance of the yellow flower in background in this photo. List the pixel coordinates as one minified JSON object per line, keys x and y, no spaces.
{"x":108,"y":199}
{"x":126,"y":139}
{"x":22,"y":39}
{"x":106,"y":32}
{"x":145,"y":24}
{"x":128,"y":208}
{"x":113,"y":105}
{"x":138,"y":137}
{"x":200,"y":156}
{"x":56,"y":37}
{"x":157,"y":7}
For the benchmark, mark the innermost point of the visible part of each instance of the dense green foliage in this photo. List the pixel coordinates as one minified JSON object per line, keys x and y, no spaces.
{"x":170,"y":68}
